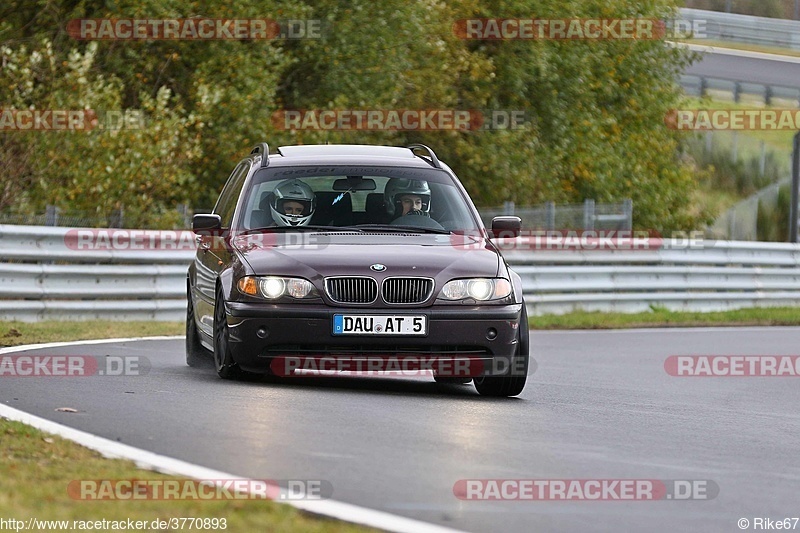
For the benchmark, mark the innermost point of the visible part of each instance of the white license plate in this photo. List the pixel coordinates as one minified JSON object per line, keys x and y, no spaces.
{"x":380,"y":325}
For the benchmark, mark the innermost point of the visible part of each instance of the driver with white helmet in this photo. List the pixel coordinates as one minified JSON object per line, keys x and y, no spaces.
{"x":293,"y":203}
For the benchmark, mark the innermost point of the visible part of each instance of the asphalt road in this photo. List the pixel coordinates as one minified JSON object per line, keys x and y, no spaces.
{"x":600,"y":406}
{"x":748,"y":69}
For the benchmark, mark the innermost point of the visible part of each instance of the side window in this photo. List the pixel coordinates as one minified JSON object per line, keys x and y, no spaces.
{"x":226,"y":205}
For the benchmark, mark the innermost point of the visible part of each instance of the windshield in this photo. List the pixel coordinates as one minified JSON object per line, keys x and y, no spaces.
{"x":355,"y":198}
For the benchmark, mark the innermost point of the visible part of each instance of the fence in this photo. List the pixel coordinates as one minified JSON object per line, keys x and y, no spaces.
{"x":786,"y":9}
{"x":588,"y":215}
{"x":43,"y":277}
{"x":746,"y":28}
{"x":695,"y":85}
{"x":56,"y":216}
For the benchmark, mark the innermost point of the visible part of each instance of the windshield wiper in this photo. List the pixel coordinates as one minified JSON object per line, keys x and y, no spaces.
{"x":402,"y":229}
{"x":281,"y":229}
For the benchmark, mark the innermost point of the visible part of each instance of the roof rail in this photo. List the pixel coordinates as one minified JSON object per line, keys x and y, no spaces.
{"x":263,"y":149}
{"x":434,"y":162}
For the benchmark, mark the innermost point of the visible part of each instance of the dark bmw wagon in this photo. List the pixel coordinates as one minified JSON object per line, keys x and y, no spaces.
{"x":351,"y":254}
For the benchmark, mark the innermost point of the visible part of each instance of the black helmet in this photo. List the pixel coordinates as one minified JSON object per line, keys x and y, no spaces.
{"x":397,"y":187}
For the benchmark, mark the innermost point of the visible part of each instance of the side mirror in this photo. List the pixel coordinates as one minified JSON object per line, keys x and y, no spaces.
{"x":206,"y":223}
{"x":505,"y":227}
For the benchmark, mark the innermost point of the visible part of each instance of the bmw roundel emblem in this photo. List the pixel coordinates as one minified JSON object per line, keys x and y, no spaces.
{"x":377,"y":267}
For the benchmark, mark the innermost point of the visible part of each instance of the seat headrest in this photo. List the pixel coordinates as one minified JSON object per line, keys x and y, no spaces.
{"x":264,"y":202}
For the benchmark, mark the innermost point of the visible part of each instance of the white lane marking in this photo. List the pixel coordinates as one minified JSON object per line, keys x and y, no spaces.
{"x":168,"y":465}
{"x":676,"y":330}
{"x":26,"y":347}
{"x":739,"y":53}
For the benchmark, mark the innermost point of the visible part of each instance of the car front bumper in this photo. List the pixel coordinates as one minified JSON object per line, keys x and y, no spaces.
{"x":485,"y":336}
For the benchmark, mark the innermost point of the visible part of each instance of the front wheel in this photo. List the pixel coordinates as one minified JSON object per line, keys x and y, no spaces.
{"x":512,"y":383}
{"x":196,"y":354}
{"x":223,"y":358}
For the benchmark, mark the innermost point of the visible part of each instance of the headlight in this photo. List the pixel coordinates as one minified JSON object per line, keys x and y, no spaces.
{"x":481,"y":289}
{"x":274,"y":287}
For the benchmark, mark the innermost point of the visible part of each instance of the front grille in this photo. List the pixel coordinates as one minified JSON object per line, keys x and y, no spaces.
{"x":407,"y":290}
{"x":352,"y":290}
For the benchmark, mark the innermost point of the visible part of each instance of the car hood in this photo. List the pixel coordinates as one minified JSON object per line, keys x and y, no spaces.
{"x":317,"y":255}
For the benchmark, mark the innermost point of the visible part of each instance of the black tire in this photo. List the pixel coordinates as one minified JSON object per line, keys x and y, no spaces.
{"x":196,"y":354}
{"x":512,"y":383}
{"x":223,"y":358}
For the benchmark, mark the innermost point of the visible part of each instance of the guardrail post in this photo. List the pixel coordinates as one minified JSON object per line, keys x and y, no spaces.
{"x":51,"y":215}
{"x":550,"y":215}
{"x":183,"y":210}
{"x":703,"y":86}
{"x":768,"y":94}
{"x":508,"y":208}
{"x":627,"y":210}
{"x":795,"y":187}
{"x":116,"y":218}
{"x":737,"y":91}
{"x":588,"y":214}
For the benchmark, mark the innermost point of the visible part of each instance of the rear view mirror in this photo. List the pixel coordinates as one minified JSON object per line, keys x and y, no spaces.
{"x":354,"y":183}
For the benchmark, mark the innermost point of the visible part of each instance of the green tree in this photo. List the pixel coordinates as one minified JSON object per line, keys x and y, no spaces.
{"x":595,"y":109}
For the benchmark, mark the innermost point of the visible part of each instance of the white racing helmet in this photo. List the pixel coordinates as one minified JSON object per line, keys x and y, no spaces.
{"x":292,"y":190}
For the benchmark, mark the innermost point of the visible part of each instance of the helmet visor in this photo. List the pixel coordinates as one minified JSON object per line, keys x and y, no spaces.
{"x":294,"y":207}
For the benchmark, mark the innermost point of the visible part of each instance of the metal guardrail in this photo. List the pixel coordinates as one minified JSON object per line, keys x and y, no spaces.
{"x":44,"y":276}
{"x":746,"y":28}
{"x":49,"y":273}
{"x":722,"y":275}
{"x":695,"y":85}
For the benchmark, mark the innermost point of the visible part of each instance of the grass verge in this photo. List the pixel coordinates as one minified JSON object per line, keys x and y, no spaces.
{"x":660,"y":317}
{"x":17,"y":333}
{"x":36,"y":468}
{"x":745,"y":46}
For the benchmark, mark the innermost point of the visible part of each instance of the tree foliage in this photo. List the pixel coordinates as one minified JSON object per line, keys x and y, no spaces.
{"x":595,"y":108}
